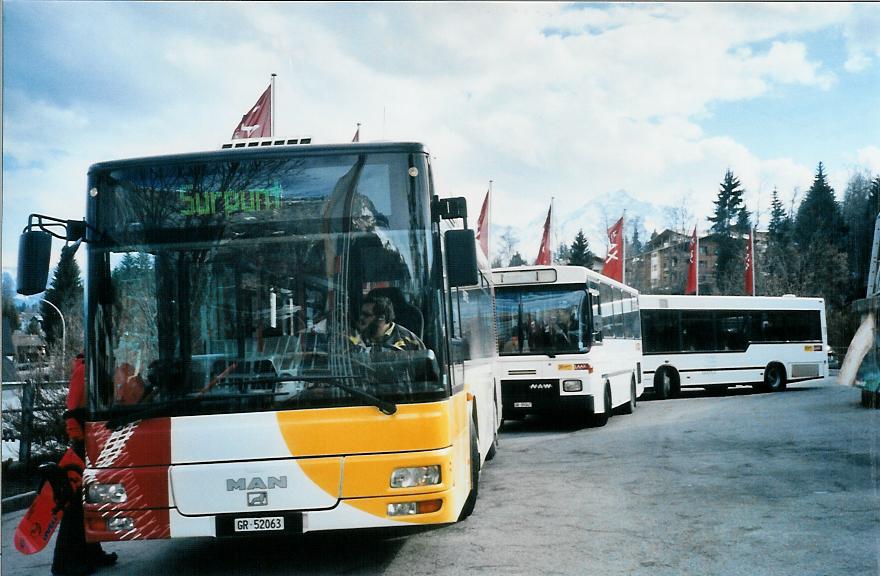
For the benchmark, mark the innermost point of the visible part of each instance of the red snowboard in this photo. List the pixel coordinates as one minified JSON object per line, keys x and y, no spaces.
{"x":39,"y":522}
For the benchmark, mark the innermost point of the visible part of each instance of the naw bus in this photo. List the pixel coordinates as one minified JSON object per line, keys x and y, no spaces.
{"x":722,"y":341}
{"x":569,"y":343}
{"x":226,"y":395}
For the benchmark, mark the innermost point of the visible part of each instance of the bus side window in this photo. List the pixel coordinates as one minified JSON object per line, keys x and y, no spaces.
{"x":596,"y":317}
{"x":585,"y":321}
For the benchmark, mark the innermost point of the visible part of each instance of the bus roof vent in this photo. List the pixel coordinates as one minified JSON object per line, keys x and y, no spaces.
{"x":259,"y":142}
{"x":789,"y":295}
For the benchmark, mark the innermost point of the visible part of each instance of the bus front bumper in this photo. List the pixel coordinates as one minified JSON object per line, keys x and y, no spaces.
{"x":520,"y":398}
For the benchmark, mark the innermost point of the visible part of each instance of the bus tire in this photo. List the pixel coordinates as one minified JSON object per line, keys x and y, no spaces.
{"x":630,"y":406}
{"x":600,"y":420}
{"x":774,"y":377}
{"x":662,"y":383}
{"x":471,"y":501}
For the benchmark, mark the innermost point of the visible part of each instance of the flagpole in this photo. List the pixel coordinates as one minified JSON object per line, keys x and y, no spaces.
{"x":754,"y":271}
{"x":623,"y":252}
{"x":697,"y":260}
{"x":489,"y":226}
{"x":552,"y":229}
{"x":272,"y":98}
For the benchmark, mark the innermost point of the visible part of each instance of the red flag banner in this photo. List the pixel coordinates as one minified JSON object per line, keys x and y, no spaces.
{"x":691,"y":287}
{"x":613,"y":267}
{"x":544,"y":258}
{"x":257,"y":123}
{"x":750,"y":265}
{"x":483,"y":225}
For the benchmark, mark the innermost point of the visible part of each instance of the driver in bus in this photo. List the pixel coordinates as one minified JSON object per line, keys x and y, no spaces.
{"x":377,"y":330}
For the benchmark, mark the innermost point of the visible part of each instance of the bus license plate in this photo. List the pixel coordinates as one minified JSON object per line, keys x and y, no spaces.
{"x":265,"y":524}
{"x":522,"y":404}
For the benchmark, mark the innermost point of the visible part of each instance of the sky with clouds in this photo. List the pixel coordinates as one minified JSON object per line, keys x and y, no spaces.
{"x":570,"y":101}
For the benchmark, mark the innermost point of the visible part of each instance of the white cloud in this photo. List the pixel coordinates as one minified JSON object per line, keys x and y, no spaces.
{"x":862,"y":37}
{"x":869,"y":157}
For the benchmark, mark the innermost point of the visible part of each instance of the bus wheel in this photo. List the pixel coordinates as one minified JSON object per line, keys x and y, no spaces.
{"x":662,"y":383}
{"x":774,"y":378}
{"x":475,"y":475}
{"x":630,"y":406}
{"x":600,"y":420}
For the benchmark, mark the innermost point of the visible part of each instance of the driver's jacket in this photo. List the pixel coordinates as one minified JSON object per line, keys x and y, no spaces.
{"x":396,"y":337}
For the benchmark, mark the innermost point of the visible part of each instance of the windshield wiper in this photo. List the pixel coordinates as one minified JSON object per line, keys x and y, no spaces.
{"x":384,"y":406}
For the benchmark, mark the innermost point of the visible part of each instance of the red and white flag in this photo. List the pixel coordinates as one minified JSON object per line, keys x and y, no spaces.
{"x":613,"y":267}
{"x":483,"y":225}
{"x":750,"y":265}
{"x":691,"y":287}
{"x":544,"y":258}
{"x":257,"y":123}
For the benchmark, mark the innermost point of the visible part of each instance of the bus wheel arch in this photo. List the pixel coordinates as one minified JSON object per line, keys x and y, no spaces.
{"x":471,"y":500}
{"x":493,"y":448}
{"x":630,"y":406}
{"x":600,"y":420}
{"x":667,"y":383}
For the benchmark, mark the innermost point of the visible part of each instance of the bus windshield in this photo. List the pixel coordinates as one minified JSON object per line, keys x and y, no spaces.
{"x":541,"y":320}
{"x":235,"y":285}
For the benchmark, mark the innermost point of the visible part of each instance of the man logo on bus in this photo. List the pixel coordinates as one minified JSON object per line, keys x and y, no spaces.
{"x":256,"y":483}
{"x":540,"y":386}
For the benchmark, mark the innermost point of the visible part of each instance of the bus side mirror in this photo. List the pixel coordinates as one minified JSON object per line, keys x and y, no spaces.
{"x":461,"y":258}
{"x":34,"y":247}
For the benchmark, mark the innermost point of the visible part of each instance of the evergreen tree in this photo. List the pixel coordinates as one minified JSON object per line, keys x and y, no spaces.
{"x":780,"y":221}
{"x":66,"y":293}
{"x":517,"y":260}
{"x":818,"y":217}
{"x":635,"y":244}
{"x":729,"y":206}
{"x":858,"y":217}
{"x":729,"y":222}
{"x":581,"y":255}
{"x":10,"y":312}
{"x":780,"y":262}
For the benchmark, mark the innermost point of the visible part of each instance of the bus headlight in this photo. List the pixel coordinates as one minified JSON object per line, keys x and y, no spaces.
{"x":416,"y":476}
{"x":106,"y":494}
{"x":411,"y":508}
{"x":120,"y":524}
{"x":572,"y":385}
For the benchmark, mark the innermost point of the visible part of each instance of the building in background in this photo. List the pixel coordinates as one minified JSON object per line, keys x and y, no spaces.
{"x":661,"y":266}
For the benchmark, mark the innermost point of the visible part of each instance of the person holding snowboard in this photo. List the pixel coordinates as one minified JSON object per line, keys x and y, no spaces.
{"x":73,"y":555}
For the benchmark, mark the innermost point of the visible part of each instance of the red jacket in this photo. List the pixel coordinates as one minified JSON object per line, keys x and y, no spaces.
{"x":76,"y":397}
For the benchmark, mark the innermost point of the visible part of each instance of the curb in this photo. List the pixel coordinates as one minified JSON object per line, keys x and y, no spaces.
{"x":17,"y":502}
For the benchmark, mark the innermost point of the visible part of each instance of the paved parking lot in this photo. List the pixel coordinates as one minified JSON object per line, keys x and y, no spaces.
{"x":739,"y":483}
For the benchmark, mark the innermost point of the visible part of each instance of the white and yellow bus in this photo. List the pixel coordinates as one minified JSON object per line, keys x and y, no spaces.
{"x":569,"y":343}
{"x":226,"y":393}
{"x":722,"y":341}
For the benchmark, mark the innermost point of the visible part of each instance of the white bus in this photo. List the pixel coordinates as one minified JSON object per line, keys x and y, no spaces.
{"x":721,"y":341}
{"x":568,"y":342}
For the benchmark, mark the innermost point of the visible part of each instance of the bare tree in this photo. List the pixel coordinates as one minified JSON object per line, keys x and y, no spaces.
{"x":508,"y":244}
